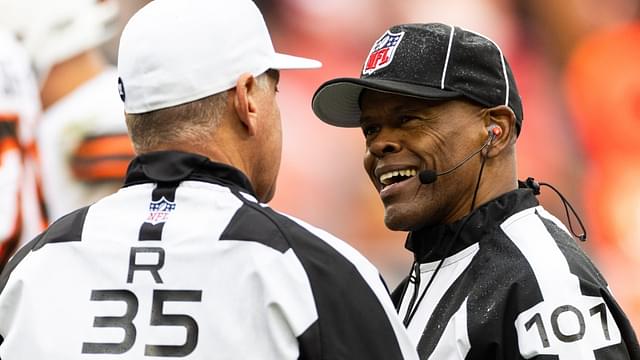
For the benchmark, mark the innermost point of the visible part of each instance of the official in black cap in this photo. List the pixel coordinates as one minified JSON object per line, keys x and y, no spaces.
{"x":495,"y":275}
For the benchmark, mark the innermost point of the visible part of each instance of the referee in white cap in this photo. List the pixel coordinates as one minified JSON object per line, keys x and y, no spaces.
{"x":186,"y":260}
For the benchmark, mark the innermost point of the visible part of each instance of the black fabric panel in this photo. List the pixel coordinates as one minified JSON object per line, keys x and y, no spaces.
{"x":351,"y":322}
{"x":515,"y":283}
{"x":310,"y":347}
{"x":629,"y":348}
{"x":506,"y":287}
{"x":427,"y":243}
{"x":66,"y":229}
{"x":250,"y":225}
{"x":8,"y":130}
{"x":398,"y":292}
{"x":15,"y":260}
{"x":150,"y":231}
{"x":176,"y":166}
{"x":615,"y":352}
{"x":579,"y":264}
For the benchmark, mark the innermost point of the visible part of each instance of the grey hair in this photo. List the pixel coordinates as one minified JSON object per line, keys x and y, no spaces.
{"x":185,"y":123}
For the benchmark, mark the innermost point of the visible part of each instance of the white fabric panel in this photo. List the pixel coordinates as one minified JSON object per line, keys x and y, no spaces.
{"x":454,"y":344}
{"x":451,"y":269}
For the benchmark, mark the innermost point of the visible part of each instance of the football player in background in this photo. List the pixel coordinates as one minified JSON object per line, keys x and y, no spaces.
{"x":19,"y":108}
{"x":81,"y":139}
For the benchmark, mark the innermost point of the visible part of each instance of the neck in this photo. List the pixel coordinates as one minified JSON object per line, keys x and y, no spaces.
{"x":68,"y":75}
{"x":497,"y":179}
{"x":208,"y":150}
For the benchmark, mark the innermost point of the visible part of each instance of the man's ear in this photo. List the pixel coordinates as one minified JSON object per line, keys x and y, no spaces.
{"x":244,"y":102}
{"x":502,"y":117}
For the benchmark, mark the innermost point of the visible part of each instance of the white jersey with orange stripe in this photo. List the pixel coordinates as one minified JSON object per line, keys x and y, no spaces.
{"x":83,"y":146}
{"x":20,"y":218}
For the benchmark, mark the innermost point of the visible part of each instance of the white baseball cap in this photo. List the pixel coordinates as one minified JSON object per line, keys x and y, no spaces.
{"x":176,"y":51}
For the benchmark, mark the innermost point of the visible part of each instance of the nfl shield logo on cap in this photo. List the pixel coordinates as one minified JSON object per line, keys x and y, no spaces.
{"x":382,"y":52}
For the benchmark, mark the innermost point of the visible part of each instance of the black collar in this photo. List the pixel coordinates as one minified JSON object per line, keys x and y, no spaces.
{"x":429,"y":244}
{"x":175,"y":166}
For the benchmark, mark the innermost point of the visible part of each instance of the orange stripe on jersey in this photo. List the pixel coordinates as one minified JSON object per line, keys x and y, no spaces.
{"x":7,"y":144}
{"x":102,"y":158}
{"x":105,"y":169}
{"x":105,"y":146}
{"x":9,"y":117}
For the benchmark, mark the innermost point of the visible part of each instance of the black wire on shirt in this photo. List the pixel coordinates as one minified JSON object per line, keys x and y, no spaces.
{"x":411,"y":308}
{"x":532,"y":184}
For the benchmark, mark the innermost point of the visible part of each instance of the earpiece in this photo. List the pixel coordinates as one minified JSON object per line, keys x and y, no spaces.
{"x":494,"y":132}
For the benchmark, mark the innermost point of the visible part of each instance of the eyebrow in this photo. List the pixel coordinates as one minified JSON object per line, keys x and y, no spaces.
{"x":398,"y":109}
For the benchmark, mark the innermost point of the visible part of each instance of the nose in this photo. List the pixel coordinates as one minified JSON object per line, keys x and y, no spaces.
{"x":384,"y":145}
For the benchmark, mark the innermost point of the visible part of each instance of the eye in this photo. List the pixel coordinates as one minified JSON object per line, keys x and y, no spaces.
{"x":370,"y":130}
{"x":407,"y":118}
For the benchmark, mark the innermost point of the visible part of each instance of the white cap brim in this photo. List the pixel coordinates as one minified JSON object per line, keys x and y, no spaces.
{"x":284,"y":61}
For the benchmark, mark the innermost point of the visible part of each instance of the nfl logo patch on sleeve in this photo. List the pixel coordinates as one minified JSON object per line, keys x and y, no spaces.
{"x":382,"y":52}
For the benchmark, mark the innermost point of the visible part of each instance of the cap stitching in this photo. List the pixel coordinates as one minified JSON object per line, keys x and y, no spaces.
{"x":446,"y":60}
{"x":504,"y":66}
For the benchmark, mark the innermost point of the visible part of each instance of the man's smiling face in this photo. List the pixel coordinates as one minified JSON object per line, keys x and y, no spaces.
{"x":406,"y":135}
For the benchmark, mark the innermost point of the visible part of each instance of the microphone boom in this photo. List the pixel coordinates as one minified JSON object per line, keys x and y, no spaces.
{"x":429,"y":176}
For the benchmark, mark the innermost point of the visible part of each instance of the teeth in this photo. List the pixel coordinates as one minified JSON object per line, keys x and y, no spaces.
{"x":385,"y":178}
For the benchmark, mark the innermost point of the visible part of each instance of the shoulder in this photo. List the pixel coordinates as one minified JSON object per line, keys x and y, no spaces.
{"x":66,"y":229}
{"x":344,"y":286}
{"x":548,"y":248}
{"x":330,"y":263}
{"x":570,"y":315}
{"x":284,"y":232}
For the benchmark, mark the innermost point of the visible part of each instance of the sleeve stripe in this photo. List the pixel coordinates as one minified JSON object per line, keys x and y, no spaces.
{"x":545,"y":258}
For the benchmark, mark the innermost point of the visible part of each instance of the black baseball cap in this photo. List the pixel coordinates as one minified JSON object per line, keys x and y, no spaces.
{"x":430,"y":61}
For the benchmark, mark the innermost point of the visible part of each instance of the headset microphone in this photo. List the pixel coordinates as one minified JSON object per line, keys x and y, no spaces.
{"x":429,"y":176}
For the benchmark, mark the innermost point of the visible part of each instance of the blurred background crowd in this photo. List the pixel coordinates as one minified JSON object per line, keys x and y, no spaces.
{"x":576,"y":64}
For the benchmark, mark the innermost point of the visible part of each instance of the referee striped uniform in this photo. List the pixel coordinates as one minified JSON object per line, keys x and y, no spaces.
{"x":517,"y":287}
{"x":183,"y":262}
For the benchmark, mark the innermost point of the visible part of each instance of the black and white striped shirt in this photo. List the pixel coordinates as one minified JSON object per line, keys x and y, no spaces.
{"x":183,"y":262}
{"x":517,"y":287}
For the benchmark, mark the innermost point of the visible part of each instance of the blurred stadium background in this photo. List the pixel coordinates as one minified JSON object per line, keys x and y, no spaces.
{"x":577,"y":67}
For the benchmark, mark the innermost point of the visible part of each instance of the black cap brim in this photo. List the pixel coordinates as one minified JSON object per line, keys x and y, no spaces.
{"x":337,"y":101}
